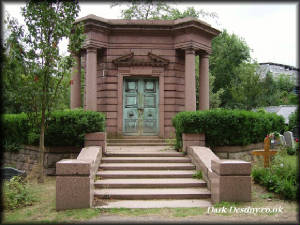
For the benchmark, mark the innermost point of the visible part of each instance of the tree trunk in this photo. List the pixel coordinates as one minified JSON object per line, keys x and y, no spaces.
{"x":42,"y":149}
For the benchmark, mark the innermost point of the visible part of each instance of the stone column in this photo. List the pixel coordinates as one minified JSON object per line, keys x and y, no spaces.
{"x":190,"y":81}
{"x":203,"y":82}
{"x":91,"y":79}
{"x":75,"y":101}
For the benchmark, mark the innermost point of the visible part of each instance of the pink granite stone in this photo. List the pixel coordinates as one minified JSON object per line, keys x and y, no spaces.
{"x":72,"y":192}
{"x":73,"y":167}
{"x":231,"y":167}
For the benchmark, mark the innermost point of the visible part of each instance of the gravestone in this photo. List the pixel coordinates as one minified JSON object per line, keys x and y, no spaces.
{"x":288,"y":136}
{"x":282,"y":140}
{"x":10,"y":172}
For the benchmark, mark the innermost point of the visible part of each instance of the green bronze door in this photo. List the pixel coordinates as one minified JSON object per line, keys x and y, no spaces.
{"x":140,"y":106}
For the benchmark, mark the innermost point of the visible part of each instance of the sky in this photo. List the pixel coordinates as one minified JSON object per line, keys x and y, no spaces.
{"x":269,"y":29}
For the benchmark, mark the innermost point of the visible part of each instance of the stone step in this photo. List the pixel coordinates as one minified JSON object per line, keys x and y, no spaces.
{"x":123,"y":174}
{"x":147,"y":166}
{"x":141,"y":148}
{"x":140,"y":140}
{"x":145,"y":160}
{"x":165,"y":203}
{"x":152,"y":193}
{"x":143,"y":154}
{"x":139,"y":137}
{"x":150,"y":183}
{"x":138,"y":144}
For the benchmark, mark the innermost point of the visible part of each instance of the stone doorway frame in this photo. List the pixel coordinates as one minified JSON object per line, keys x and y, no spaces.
{"x":146,"y":71}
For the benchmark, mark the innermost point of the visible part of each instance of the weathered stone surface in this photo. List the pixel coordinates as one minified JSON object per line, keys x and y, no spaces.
{"x":192,"y":140}
{"x":222,"y":155}
{"x":247,"y":156}
{"x":73,"y":167}
{"x":226,"y":167}
{"x":230,"y":188}
{"x":288,"y":136}
{"x":282,"y":140}
{"x":72,"y":192}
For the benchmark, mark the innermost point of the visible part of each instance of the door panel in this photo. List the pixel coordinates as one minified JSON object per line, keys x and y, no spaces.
{"x":130,"y":113}
{"x":140,"y":106}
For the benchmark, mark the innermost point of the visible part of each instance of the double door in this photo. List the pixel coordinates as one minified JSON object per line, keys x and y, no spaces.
{"x":140,"y":106}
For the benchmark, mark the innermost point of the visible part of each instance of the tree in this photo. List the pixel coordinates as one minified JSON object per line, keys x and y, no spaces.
{"x":228,"y":52}
{"x":43,"y":68}
{"x":246,"y":92}
{"x":159,"y":10}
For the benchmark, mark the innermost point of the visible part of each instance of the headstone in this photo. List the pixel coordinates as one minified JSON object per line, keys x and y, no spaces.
{"x":10,"y":172}
{"x":282,"y":140}
{"x":288,"y":136}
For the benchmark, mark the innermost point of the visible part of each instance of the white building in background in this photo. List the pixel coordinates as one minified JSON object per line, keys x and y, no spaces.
{"x":281,"y":110}
{"x":276,"y":69}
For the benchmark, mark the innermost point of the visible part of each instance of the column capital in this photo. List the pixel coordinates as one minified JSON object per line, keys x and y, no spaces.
{"x":91,"y":50}
{"x":204,"y":55}
{"x":190,"y":51}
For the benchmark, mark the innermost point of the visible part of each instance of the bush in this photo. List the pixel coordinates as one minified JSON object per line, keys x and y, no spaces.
{"x":15,"y":128}
{"x":282,"y":177}
{"x":227,"y":127}
{"x":65,"y":128}
{"x":16,"y":194}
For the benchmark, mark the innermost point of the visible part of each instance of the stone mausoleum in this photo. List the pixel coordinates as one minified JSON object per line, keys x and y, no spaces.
{"x":140,"y":73}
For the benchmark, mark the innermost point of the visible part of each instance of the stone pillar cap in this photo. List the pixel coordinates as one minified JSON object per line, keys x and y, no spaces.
{"x":232,"y":167}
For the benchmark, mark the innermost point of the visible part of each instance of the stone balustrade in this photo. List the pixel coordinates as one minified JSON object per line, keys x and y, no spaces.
{"x":75,"y":178}
{"x":227,"y":179}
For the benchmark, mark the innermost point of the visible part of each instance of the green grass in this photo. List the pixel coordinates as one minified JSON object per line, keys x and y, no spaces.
{"x":166,"y":212}
{"x":43,"y":211}
{"x":198,"y":175}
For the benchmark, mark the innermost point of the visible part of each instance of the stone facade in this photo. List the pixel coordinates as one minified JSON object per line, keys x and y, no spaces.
{"x":166,"y":50}
{"x":27,"y":157}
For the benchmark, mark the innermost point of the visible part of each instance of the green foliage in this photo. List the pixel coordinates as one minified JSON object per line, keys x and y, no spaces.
{"x":16,"y":194}
{"x":228,"y":52}
{"x":65,"y":128}
{"x":282,"y":177}
{"x":294,"y":119}
{"x":227,"y":127}
{"x":291,"y":150}
{"x":246,"y":88}
{"x":198,"y":174}
{"x":159,"y":10}
{"x":225,"y":204}
{"x":14,"y":128}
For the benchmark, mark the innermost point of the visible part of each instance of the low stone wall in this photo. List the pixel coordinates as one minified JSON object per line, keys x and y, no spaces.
{"x":28,"y":156}
{"x":237,"y":152}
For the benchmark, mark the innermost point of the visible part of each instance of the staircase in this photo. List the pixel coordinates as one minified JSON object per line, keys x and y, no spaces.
{"x":147,"y":177}
{"x":138,"y":141}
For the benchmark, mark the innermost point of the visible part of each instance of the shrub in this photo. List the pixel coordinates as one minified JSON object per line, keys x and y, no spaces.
{"x":65,"y":128}
{"x":16,"y":194}
{"x":282,"y":177}
{"x":227,"y":127}
{"x":14,"y":128}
